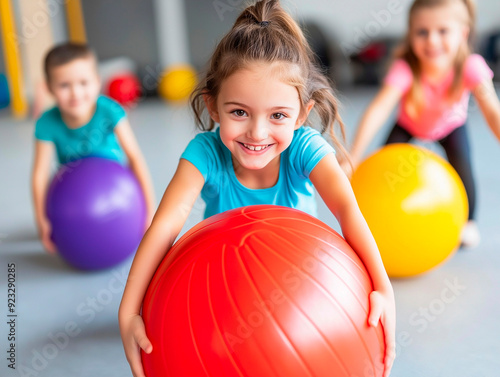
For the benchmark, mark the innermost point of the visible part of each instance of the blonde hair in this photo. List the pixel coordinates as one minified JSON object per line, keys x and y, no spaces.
{"x":265,"y":32}
{"x":415,"y":97}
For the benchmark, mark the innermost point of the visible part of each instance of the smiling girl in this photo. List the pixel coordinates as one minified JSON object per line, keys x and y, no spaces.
{"x":432,"y":80}
{"x":261,"y":85}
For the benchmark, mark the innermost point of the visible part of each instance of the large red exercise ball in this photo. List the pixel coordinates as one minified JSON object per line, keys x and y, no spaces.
{"x":415,"y":205}
{"x":97,"y":211}
{"x":125,"y":89}
{"x":261,"y":291}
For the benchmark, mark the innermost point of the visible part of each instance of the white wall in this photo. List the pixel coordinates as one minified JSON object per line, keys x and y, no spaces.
{"x":349,"y":21}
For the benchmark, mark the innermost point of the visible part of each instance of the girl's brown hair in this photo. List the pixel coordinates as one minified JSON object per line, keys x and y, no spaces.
{"x":415,"y":98}
{"x":264,"y":32}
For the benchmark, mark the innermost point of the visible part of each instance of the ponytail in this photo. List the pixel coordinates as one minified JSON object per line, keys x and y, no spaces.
{"x":265,"y":32}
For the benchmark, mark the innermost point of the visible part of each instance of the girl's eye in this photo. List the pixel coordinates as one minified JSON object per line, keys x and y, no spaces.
{"x":84,"y":82}
{"x":63,"y":85}
{"x":443,"y":31}
{"x":278,"y":116}
{"x":239,"y":113}
{"x":422,"y":32}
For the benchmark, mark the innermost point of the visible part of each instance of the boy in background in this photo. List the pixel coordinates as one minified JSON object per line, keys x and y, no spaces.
{"x":83,"y":123}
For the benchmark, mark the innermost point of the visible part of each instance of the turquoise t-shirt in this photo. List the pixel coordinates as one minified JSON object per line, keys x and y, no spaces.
{"x":96,"y":138}
{"x":222,"y":191}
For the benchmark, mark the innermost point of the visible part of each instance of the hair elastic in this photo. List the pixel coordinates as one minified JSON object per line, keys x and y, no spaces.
{"x":264,"y":23}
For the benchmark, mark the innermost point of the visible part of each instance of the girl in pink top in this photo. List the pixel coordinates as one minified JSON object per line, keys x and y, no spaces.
{"x":432,"y":79}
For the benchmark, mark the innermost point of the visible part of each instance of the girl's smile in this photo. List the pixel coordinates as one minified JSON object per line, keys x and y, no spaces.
{"x":255,"y":148}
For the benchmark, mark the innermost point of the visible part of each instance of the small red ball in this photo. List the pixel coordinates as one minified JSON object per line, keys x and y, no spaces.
{"x":125,"y":89}
{"x":261,"y":291}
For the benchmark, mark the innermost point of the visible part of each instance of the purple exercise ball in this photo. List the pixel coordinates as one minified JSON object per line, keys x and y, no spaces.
{"x":97,"y":211}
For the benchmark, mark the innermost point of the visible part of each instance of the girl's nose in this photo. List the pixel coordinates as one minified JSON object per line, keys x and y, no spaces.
{"x":258,"y":130}
{"x":433,"y":38}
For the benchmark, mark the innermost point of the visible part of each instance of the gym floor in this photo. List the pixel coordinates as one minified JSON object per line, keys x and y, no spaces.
{"x":448,"y":320}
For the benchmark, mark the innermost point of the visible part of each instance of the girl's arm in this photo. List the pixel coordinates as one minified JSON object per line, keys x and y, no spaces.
{"x":39,"y":184}
{"x":335,"y":189}
{"x":168,"y":221}
{"x":138,"y":165}
{"x":374,"y":117}
{"x":489,"y":104}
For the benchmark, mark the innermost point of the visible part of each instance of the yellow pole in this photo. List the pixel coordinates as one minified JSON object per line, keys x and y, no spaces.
{"x":34,"y":51}
{"x":76,"y":26}
{"x":19,"y":105}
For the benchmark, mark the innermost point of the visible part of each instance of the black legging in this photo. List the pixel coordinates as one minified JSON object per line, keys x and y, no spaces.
{"x":456,"y":146}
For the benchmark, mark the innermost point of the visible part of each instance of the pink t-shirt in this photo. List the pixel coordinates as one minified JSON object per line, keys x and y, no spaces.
{"x":439,"y":116}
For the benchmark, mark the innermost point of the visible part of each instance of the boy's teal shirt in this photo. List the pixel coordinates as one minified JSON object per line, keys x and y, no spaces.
{"x":96,"y":138}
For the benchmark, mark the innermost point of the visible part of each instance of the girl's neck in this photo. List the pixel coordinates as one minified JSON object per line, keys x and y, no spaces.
{"x":258,"y":179}
{"x":435,"y":74}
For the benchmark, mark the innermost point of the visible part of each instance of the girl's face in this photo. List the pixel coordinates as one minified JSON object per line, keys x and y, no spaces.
{"x":75,"y":86}
{"x":258,"y":114}
{"x":436,"y":35}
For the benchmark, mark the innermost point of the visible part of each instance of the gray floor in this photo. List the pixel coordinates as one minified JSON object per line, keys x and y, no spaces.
{"x":448,"y":320}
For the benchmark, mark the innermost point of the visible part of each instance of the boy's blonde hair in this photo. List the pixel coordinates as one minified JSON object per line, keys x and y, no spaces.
{"x":415,"y":97}
{"x":264,"y":32}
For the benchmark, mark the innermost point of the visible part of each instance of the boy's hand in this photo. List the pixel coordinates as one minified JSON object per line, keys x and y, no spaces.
{"x":383,"y":309}
{"x":45,"y":229}
{"x":134,"y":339}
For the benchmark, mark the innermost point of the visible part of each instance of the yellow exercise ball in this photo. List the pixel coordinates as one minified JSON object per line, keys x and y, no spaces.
{"x":415,"y":205}
{"x":177,"y":83}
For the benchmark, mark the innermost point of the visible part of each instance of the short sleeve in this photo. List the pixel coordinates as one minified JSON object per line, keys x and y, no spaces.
{"x":399,"y":76}
{"x":114,"y":111}
{"x":44,"y":128}
{"x":476,"y":71}
{"x":307,"y":149}
{"x":201,"y":153}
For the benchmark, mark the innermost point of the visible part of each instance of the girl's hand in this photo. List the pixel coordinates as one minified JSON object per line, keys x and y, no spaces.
{"x":45,"y":230}
{"x":134,"y":339}
{"x":383,"y":309}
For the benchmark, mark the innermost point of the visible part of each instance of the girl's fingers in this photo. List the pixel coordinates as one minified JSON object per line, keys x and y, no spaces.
{"x":376,"y":308}
{"x":389,"y":325}
{"x":376,"y":315}
{"x":390,"y":349}
{"x":136,"y":366}
{"x":141,"y":338}
{"x":388,"y":367}
{"x":144,"y":343}
{"x":136,"y":362}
